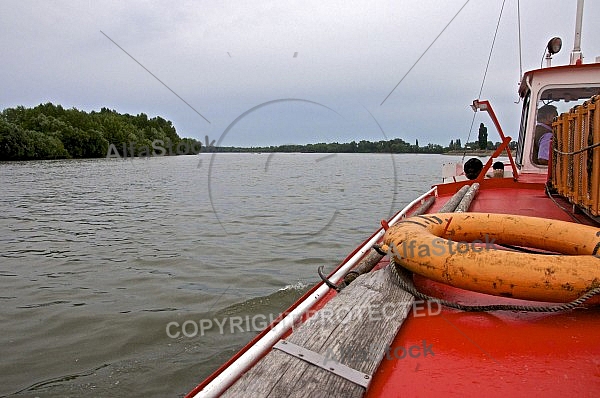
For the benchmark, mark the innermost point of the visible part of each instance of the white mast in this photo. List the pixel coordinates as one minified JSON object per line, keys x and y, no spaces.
{"x":576,"y":55}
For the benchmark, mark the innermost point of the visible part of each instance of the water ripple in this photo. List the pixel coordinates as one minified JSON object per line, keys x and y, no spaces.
{"x":99,"y":256}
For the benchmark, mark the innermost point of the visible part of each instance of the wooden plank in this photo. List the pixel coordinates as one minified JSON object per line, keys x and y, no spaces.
{"x":355,"y":328}
{"x":366,"y":265}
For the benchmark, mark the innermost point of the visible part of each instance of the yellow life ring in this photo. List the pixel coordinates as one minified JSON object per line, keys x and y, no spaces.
{"x":463,"y":250}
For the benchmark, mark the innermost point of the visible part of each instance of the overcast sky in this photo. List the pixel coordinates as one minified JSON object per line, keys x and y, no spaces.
{"x":205,"y":65}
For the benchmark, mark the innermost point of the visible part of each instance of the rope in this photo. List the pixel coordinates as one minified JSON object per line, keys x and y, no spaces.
{"x":484,"y":75}
{"x":579,"y":151}
{"x":524,"y":250}
{"x":424,"y":52}
{"x":549,"y":194}
{"x":408,"y":286}
{"x":491,"y":50}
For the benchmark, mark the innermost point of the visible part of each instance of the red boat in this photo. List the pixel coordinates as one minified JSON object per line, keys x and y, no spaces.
{"x":485,"y":285}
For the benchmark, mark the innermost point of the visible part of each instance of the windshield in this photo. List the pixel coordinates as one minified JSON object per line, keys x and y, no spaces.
{"x":553,"y":101}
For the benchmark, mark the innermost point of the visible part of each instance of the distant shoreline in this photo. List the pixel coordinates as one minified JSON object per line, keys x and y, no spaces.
{"x":471,"y":152}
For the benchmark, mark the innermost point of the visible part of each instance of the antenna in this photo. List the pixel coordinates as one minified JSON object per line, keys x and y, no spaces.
{"x":576,"y":56}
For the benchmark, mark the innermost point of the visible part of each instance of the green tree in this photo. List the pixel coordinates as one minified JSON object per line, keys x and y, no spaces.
{"x":482,"y":136}
{"x":50,"y":131}
{"x":12,"y":141}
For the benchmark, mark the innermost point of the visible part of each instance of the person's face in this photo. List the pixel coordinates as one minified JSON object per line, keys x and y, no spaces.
{"x":549,"y":118}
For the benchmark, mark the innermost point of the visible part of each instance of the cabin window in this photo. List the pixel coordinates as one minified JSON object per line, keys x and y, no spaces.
{"x":553,"y":101}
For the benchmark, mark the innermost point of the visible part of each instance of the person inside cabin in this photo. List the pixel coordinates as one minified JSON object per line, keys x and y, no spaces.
{"x":543,"y":134}
{"x":472,"y":168}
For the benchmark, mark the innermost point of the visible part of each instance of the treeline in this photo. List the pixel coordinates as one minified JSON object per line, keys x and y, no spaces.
{"x":49,"y":131}
{"x":396,"y":145}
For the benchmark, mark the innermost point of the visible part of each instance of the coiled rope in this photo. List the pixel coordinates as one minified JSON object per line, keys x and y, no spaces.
{"x":405,"y":283}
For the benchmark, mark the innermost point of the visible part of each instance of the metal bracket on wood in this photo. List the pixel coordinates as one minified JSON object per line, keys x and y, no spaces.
{"x":328,"y":282}
{"x":324,"y":362}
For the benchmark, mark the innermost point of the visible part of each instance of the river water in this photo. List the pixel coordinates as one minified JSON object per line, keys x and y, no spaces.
{"x":134,"y":277}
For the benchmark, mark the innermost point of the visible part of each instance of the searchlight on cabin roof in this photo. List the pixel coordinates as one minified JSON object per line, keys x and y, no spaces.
{"x":554,"y":46}
{"x":555,"y":43}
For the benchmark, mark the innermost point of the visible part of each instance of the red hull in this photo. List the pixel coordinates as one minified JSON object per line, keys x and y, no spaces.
{"x":492,"y":354}
{"x":499,"y":353}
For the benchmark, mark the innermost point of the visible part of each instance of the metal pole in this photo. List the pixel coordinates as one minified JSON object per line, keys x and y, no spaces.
{"x":576,"y":55}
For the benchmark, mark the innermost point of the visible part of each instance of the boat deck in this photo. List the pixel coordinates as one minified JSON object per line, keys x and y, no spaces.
{"x":499,"y":353}
{"x":493,"y":354}
{"x":440,"y":351}
{"x":527,"y":197}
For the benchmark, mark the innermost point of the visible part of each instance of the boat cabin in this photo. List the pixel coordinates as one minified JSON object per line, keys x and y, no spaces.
{"x":563,"y":87}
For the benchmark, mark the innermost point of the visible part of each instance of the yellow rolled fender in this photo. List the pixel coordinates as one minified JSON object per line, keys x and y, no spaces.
{"x":463,"y":250}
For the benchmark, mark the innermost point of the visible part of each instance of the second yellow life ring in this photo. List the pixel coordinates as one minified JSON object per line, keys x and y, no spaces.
{"x":463,"y":250}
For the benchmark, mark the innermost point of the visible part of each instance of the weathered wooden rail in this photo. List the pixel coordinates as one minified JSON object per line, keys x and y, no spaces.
{"x":353,"y":330}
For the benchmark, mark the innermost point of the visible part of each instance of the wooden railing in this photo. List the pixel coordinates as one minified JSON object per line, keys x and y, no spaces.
{"x":575,"y":167}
